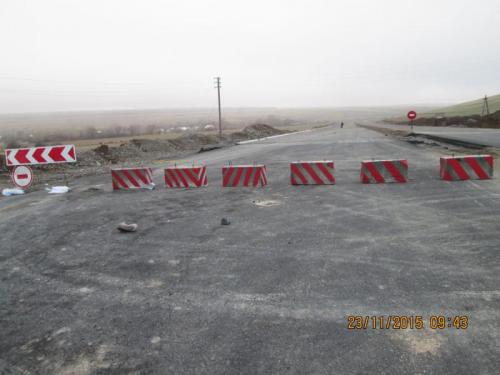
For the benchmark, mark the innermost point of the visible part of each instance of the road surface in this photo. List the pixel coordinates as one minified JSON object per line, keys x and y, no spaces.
{"x":269,"y":294}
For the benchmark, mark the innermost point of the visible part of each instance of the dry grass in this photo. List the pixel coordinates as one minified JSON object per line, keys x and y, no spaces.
{"x":473,"y":107}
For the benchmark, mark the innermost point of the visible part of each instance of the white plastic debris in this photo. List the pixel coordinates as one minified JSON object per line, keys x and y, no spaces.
{"x":58,"y":190}
{"x":9,"y":192}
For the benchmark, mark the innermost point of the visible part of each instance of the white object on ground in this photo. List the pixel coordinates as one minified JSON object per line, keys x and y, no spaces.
{"x":58,"y":190}
{"x":9,"y":192}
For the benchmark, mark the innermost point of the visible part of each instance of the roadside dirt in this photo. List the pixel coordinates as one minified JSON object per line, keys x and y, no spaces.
{"x":474,"y":121}
{"x":446,"y":146}
{"x":140,"y":152}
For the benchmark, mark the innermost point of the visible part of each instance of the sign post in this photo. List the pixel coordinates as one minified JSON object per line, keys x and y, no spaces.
{"x":412,"y":115}
{"x":22,"y":176}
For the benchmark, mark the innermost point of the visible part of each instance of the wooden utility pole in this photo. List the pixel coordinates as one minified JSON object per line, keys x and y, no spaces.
{"x":217,"y":86}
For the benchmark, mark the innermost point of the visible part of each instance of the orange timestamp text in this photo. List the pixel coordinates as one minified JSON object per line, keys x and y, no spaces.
{"x":407,"y":322}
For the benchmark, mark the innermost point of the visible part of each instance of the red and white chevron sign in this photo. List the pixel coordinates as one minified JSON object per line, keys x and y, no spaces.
{"x":40,"y":155}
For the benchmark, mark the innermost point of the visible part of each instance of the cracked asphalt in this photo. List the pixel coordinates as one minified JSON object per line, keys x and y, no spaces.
{"x":268,"y":294}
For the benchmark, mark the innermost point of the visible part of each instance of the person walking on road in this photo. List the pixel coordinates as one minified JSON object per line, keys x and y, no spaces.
{"x":341,"y":125}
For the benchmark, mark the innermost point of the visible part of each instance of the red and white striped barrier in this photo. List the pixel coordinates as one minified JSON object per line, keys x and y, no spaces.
{"x":244,"y":175}
{"x":40,"y":155}
{"x":380,"y":171}
{"x":186,"y":177}
{"x":312,"y":173}
{"x":472,"y":167}
{"x":132,"y":178}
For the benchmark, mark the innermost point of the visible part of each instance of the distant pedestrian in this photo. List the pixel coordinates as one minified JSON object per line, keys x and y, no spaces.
{"x":341,"y":125}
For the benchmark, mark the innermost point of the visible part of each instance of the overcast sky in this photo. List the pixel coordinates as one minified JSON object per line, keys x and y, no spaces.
{"x":104,"y":54}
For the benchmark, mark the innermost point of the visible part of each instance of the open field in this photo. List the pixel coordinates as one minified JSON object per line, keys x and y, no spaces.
{"x":473,"y":107}
{"x":188,"y":116}
{"x":49,"y":128}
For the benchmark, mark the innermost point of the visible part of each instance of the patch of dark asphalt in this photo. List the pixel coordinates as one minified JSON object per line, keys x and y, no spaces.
{"x":451,"y":141}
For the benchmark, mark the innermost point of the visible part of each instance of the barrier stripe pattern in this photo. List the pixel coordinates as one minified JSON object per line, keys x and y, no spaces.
{"x":381,"y":171}
{"x":472,"y":167}
{"x":186,"y":177}
{"x":132,"y":178}
{"x":312,"y":173}
{"x":40,"y":155}
{"x":244,"y":175}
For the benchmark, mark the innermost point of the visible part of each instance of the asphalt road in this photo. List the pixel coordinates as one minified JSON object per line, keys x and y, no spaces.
{"x":486,"y":137}
{"x":268,"y":294}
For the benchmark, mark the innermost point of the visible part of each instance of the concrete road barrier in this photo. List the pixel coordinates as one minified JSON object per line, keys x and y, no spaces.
{"x":186,"y":177}
{"x":312,"y":173}
{"x":244,"y":175}
{"x":381,"y":171}
{"x":132,"y":178}
{"x":471,"y":167}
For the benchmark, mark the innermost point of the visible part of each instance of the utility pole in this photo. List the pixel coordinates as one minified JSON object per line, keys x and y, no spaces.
{"x":217,"y":86}
{"x":486,"y":108}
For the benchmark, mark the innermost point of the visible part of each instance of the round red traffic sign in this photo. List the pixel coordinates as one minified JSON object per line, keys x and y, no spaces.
{"x":412,"y":115}
{"x":22,"y":176}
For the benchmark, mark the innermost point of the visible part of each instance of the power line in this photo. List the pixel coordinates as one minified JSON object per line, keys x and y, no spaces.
{"x":86,"y":82}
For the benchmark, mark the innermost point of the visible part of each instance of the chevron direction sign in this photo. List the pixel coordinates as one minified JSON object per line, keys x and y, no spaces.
{"x":40,"y":155}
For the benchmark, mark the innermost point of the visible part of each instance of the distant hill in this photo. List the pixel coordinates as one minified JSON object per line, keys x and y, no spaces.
{"x":467,"y":109}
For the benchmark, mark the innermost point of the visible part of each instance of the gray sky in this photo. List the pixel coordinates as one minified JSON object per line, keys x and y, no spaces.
{"x":103,"y":54}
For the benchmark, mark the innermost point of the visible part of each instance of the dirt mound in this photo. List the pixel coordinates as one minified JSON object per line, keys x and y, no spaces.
{"x":495,"y":116}
{"x":256,"y":131}
{"x":262,"y":130}
{"x":146,"y":149}
{"x":102,"y":150}
{"x":141,"y":149}
{"x":474,"y":121}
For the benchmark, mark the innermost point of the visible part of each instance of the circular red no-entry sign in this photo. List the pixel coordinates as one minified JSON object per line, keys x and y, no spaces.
{"x":412,"y":115}
{"x":22,"y":176}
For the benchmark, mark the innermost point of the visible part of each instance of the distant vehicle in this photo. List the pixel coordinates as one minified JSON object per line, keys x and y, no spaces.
{"x":209,"y":127}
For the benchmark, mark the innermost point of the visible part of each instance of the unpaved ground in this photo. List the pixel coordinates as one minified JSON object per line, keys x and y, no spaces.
{"x":472,"y":121}
{"x":141,"y":152}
